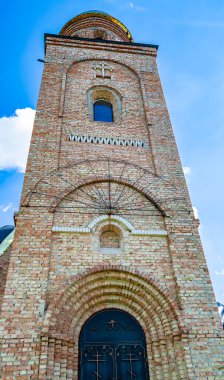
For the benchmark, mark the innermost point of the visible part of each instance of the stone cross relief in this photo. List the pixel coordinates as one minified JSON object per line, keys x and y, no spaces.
{"x":102,"y":71}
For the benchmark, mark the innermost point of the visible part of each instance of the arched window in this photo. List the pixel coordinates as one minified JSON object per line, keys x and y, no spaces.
{"x":112,"y":345}
{"x":104,"y":104}
{"x":102,"y":111}
{"x":110,"y":239}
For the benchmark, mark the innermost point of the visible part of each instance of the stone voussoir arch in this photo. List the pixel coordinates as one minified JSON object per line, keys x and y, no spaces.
{"x":114,"y":286}
{"x":77,"y":293}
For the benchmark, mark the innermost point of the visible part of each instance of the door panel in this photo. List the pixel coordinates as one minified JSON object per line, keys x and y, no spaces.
{"x":131,"y":363}
{"x":96,"y":363}
{"x":112,"y":347}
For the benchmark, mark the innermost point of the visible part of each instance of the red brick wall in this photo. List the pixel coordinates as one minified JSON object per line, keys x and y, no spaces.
{"x":4,"y":264}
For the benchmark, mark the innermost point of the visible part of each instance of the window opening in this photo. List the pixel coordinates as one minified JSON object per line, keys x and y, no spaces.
{"x":103,"y":111}
{"x":110,"y":240}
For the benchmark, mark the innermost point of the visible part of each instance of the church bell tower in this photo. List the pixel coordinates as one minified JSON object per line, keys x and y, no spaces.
{"x":107,"y":278}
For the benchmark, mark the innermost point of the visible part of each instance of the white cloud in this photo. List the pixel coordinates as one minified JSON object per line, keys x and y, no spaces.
{"x":221,"y":273}
{"x":6,"y":208}
{"x":126,"y":5}
{"x":15,"y":138}
{"x":131,"y":5}
{"x":187,"y":170}
{"x":137,"y":8}
{"x":196,"y":213}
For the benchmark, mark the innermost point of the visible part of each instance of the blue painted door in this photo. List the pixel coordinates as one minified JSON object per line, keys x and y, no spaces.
{"x":112,"y":347}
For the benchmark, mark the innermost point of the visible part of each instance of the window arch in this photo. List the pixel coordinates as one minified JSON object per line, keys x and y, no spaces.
{"x":102,"y":111}
{"x":106,"y":100}
{"x":110,"y":239}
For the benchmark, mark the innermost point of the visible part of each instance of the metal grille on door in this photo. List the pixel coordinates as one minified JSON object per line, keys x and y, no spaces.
{"x":112,"y":347}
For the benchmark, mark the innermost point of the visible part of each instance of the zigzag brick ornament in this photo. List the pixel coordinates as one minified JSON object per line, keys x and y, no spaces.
{"x":106,"y":277}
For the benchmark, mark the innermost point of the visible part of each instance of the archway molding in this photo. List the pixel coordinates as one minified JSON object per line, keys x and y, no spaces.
{"x":110,"y":219}
{"x":117,"y":61}
{"x":129,"y":290}
{"x":122,"y":62}
{"x":81,"y":288}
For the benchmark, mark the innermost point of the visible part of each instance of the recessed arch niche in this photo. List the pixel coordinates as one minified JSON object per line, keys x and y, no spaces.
{"x":111,"y":287}
{"x":110,"y":239}
{"x":104,"y":93}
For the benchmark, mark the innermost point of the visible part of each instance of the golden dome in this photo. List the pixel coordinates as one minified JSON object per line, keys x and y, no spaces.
{"x":98,"y":14}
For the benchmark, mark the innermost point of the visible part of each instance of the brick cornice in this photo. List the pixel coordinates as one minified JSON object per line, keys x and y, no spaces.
{"x":132,"y":48}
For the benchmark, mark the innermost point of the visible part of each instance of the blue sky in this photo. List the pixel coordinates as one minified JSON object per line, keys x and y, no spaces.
{"x":191,"y":60}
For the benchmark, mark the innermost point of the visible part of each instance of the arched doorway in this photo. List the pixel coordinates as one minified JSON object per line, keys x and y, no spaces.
{"x":112,"y":347}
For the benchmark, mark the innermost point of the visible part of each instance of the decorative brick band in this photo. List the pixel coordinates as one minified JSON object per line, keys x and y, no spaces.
{"x":91,"y":227}
{"x":107,"y":141}
{"x":86,"y":230}
{"x":149,"y":232}
{"x":116,"y":218}
{"x":76,"y":230}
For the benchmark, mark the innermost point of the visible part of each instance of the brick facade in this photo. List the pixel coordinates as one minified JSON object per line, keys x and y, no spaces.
{"x":106,"y":225}
{"x":4,"y":265}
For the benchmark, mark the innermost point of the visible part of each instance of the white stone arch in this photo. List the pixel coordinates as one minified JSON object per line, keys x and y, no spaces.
{"x":113,"y":218}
